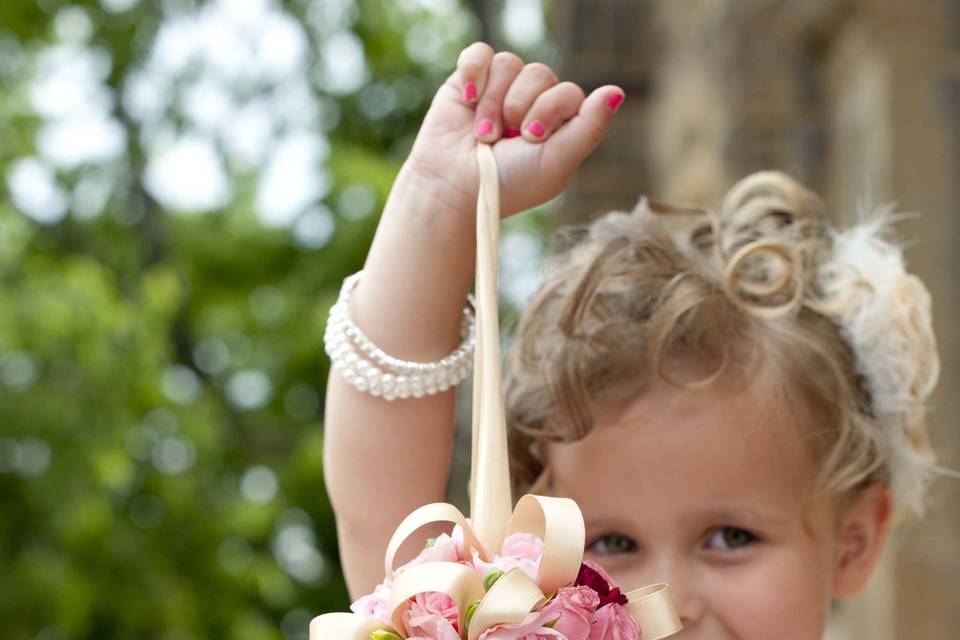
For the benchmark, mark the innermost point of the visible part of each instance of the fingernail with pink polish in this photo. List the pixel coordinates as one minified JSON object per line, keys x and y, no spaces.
{"x":484,"y":127}
{"x":470,"y":92}
{"x":511,"y":132}
{"x":614,"y":101}
{"x":535,"y":129}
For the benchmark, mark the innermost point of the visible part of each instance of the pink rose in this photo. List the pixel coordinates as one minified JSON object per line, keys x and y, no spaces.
{"x":530,"y":629}
{"x":376,"y":604}
{"x":433,"y":615}
{"x":522,"y":546}
{"x":575,"y":606}
{"x":612,"y":622}
{"x":519,"y":550}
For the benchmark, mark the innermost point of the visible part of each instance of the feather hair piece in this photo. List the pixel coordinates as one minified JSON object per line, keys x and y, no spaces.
{"x":884,"y":313}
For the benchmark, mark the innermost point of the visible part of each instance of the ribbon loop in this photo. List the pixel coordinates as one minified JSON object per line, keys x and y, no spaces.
{"x":508,"y":601}
{"x":653,"y":608}
{"x":559,"y":523}
{"x":458,"y":581}
{"x":428,"y":514}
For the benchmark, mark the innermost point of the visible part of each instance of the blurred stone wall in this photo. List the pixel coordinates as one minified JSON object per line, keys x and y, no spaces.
{"x":859,"y":99}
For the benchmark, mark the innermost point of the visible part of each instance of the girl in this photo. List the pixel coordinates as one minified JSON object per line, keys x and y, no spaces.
{"x":735,"y":400}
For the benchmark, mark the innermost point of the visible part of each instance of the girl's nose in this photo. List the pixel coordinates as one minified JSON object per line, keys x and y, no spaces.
{"x":684,"y":589}
{"x":689,"y":604}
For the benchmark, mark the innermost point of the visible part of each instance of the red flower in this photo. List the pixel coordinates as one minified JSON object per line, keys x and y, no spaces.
{"x":591,"y":575}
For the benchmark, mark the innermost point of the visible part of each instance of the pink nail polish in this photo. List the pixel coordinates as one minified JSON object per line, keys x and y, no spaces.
{"x":535,"y":129}
{"x":470,"y":92}
{"x":484,"y":127}
{"x":511,"y":132}
{"x":614,"y":101}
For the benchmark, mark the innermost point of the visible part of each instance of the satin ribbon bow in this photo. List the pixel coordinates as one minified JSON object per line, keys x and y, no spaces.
{"x":558,"y":522}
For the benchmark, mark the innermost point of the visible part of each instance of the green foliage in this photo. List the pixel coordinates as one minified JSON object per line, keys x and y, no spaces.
{"x":161,"y":372}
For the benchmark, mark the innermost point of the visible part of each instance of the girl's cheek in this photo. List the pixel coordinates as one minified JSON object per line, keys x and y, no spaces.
{"x":785,"y":597}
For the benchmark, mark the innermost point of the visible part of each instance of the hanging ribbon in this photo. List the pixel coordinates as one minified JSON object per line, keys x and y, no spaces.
{"x":558,"y":522}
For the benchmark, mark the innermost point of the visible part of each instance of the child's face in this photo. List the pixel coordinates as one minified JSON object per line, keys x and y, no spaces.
{"x":705,"y":490}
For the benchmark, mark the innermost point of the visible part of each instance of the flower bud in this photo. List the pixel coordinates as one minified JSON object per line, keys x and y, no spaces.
{"x":472,"y":609}
{"x":490,"y":578}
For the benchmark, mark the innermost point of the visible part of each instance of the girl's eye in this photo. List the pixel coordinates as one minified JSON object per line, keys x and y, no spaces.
{"x":730,"y":538}
{"x":612,"y":544}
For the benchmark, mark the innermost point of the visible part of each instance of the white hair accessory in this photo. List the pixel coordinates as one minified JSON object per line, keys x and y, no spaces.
{"x":884,"y":313}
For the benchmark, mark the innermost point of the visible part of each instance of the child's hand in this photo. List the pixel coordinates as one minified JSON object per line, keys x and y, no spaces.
{"x":541,"y":129}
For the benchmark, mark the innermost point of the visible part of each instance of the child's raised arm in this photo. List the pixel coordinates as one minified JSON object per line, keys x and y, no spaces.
{"x":384,"y":458}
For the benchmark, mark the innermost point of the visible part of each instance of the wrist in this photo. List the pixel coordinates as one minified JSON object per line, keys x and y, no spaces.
{"x":438,"y":199}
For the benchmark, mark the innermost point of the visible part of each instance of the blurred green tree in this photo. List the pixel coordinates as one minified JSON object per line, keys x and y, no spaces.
{"x":184,"y":186}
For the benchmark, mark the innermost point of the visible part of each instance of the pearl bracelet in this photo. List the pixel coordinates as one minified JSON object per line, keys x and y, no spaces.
{"x":369,"y":369}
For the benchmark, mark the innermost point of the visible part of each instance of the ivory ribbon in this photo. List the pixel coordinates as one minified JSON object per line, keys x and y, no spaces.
{"x":556,"y":521}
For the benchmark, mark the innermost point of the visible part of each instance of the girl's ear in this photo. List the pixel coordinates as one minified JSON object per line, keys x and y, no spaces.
{"x":860,"y":536}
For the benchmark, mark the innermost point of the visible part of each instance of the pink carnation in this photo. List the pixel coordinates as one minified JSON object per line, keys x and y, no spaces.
{"x":530,"y":629}
{"x":519,"y":550}
{"x":433,"y":615}
{"x":613,"y":622}
{"x":575,"y":607}
{"x":444,"y":549}
{"x":376,"y":604}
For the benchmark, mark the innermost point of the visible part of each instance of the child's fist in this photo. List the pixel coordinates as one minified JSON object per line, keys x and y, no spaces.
{"x":541,"y":129}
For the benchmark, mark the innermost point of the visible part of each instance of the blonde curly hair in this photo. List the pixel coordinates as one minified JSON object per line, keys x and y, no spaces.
{"x":765,"y":284}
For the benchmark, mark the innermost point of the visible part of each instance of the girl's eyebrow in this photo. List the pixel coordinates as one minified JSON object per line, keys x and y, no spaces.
{"x":608,"y":523}
{"x":739,"y":514}
{"x":712,"y":514}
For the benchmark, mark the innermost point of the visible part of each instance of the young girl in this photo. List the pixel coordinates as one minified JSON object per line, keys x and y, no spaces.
{"x":735,"y":400}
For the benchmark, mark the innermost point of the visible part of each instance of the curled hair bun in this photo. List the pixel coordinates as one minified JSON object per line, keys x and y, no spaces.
{"x":764,"y":244}
{"x":771,"y":236}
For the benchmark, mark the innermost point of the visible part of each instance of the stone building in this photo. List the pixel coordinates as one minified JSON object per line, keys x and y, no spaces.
{"x":860,"y":99}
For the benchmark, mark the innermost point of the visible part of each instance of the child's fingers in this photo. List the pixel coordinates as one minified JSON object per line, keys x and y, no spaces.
{"x":534,"y":79}
{"x":503,"y":70}
{"x":551,"y":109}
{"x":472,"y":66}
{"x":580,"y":135}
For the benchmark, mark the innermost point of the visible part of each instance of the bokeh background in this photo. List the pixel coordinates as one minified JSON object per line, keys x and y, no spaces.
{"x":184,"y":185}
